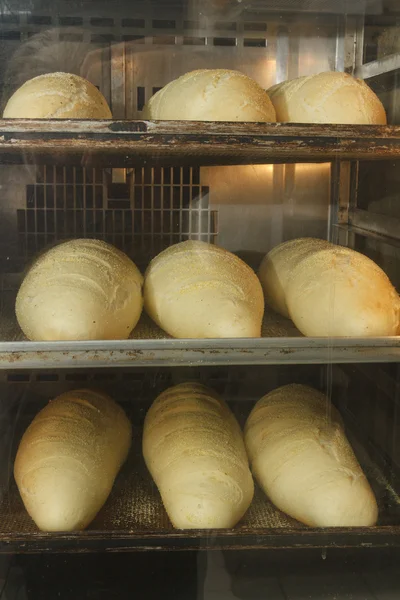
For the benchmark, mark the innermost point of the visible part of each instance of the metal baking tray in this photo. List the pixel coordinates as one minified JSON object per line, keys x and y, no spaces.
{"x":134,"y":518}
{"x":281,"y":343}
{"x":128,"y":143}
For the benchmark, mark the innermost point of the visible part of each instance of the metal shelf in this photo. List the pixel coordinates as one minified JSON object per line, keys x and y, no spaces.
{"x":134,"y":518}
{"x":151,"y":347}
{"x":281,"y":343}
{"x":128,"y":143}
{"x":171,"y":352}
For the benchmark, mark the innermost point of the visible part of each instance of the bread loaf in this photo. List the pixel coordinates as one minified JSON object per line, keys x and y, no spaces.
{"x":329,"y":290}
{"x":57,"y":96}
{"x":69,"y":457}
{"x":211,"y":95}
{"x":331,"y":97}
{"x":194,"y":450}
{"x":197,"y":290}
{"x":80,"y":290}
{"x":300,"y":456}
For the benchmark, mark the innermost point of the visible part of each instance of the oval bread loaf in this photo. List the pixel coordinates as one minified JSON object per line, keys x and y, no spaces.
{"x":300,"y":456}
{"x":194,"y":450}
{"x":57,"y":96}
{"x":198,"y":290}
{"x":211,"y":95}
{"x":329,"y":97}
{"x":329,"y":290}
{"x":80,"y":290}
{"x":69,"y":457}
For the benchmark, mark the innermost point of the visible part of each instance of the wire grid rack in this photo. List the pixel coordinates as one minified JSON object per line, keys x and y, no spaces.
{"x":151,"y":210}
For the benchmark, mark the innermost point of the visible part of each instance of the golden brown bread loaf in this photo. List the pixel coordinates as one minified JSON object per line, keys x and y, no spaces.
{"x":300,"y":456}
{"x":211,"y":95}
{"x":68,"y":459}
{"x":80,"y":290}
{"x":198,"y":290}
{"x":329,"y":97}
{"x":194,"y":450}
{"x":329,"y":290}
{"x":57,"y":96}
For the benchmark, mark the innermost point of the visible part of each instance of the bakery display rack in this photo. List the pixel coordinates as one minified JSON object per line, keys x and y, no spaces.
{"x":144,"y":145}
{"x":108,"y":173}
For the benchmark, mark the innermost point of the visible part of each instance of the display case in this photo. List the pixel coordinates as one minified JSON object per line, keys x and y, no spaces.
{"x":144,"y":185}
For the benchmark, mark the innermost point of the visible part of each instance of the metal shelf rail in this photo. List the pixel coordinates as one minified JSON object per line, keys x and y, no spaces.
{"x":128,"y":143}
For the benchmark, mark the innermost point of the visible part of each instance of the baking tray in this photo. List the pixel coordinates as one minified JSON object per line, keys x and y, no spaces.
{"x":134,"y":518}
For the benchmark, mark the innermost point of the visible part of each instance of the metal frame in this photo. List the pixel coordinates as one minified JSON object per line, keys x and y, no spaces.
{"x":122,"y":144}
{"x":172,"y":352}
{"x":95,"y":541}
{"x":128,"y":143}
{"x":378,"y":67}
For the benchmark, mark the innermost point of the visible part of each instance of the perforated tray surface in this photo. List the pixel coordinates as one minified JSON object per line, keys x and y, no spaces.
{"x":134,"y":518}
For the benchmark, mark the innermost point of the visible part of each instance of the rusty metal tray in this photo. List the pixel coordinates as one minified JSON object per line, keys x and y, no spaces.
{"x":128,"y":143}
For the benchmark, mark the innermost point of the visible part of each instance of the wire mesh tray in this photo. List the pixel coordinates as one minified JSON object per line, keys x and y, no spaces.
{"x":281,"y":343}
{"x":134,"y":518}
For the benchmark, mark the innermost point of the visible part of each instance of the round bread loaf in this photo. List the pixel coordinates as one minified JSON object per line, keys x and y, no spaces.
{"x":80,"y":290}
{"x":300,"y":456}
{"x":329,"y":290}
{"x":57,"y":96}
{"x":211,"y":95}
{"x":197,"y":290}
{"x":194,"y":450}
{"x":69,"y":457}
{"x":331,"y":97}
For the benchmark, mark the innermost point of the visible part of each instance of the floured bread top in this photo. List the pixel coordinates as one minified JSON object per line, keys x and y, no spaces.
{"x":330,"y":290}
{"x":194,"y":449}
{"x":329,"y":97}
{"x":211,"y":95}
{"x":80,"y":289}
{"x":57,"y":96}
{"x":198,"y":290}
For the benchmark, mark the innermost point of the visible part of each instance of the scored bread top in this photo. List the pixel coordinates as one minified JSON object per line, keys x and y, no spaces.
{"x":80,"y":289}
{"x":328,"y":97}
{"x":211,"y":95}
{"x":57,"y":96}
{"x":198,"y":290}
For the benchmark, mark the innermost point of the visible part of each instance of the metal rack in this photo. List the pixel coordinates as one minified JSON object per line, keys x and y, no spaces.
{"x":134,"y":518}
{"x":107,"y":143}
{"x":142,"y":216}
{"x":149,"y":345}
{"x":128,"y":143}
{"x":158,"y":353}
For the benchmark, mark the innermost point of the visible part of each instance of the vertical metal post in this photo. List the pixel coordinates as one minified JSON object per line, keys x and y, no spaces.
{"x":118,"y":95}
{"x":353,"y":43}
{"x":349,"y":57}
{"x":343,"y":201}
{"x":282,"y":55}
